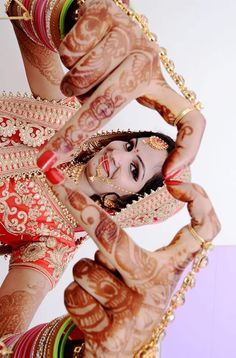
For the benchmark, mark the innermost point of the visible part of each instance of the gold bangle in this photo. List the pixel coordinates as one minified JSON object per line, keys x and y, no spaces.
{"x":25,"y":16}
{"x":204,"y":244}
{"x":182,"y":114}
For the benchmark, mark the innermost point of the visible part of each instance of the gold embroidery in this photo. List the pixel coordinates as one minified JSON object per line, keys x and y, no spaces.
{"x":58,"y":259}
{"x":33,"y":252}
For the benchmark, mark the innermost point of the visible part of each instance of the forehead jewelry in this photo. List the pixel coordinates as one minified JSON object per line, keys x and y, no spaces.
{"x":108,"y":181}
{"x":156,"y":143}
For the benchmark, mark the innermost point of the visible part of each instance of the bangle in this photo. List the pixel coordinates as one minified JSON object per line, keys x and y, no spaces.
{"x":62,"y":20}
{"x":204,"y":244}
{"x":25,"y":16}
{"x":182,"y":114}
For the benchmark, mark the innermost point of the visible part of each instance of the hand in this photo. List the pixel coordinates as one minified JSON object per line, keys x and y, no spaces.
{"x":118,"y":299}
{"x":111,"y":62}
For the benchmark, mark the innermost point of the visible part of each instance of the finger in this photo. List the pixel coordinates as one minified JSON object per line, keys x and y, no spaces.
{"x":112,"y":95}
{"x":97,"y":64}
{"x":94,"y":22}
{"x":101,"y":259}
{"x":203,"y":217}
{"x":85,"y":311}
{"x":131,"y":261}
{"x":106,"y":288}
{"x":190,"y":132}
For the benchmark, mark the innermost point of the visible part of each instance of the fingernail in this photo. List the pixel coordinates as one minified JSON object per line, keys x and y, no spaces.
{"x":54,"y":176}
{"x":46,"y":160}
{"x":173,"y":173}
{"x":172,"y":182}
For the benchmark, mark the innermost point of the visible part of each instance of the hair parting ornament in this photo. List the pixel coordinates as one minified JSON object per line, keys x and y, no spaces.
{"x":156,"y":143}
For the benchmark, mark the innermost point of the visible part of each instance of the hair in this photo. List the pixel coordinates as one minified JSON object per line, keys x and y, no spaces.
{"x":152,"y":184}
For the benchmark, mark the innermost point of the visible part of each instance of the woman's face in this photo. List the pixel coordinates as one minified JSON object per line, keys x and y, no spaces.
{"x":125,"y":166}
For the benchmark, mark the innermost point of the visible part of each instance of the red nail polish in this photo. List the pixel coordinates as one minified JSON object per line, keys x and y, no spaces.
{"x":46,"y":160}
{"x":54,"y":176}
{"x":173,"y":182}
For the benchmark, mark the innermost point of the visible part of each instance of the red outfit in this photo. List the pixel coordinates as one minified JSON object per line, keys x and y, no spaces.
{"x":31,"y":220}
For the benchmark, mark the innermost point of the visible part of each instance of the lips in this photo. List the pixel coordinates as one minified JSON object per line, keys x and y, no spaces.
{"x":105,"y":164}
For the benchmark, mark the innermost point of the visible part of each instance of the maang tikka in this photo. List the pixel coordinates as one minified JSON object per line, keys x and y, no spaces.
{"x":156,"y":143}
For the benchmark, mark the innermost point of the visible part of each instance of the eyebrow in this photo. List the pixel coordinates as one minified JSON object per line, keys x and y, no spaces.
{"x":139,"y":158}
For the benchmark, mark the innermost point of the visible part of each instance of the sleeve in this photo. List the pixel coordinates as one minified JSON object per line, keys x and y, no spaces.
{"x":49,"y":256}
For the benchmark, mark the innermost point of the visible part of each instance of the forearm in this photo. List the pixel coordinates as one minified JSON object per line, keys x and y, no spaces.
{"x":169,"y":104}
{"x":42,"y":66}
{"x":20,"y":295}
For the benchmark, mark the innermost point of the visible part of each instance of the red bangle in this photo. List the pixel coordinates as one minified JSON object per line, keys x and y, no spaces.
{"x":27,"y":26}
{"x":24,"y":346}
{"x":40,"y":22}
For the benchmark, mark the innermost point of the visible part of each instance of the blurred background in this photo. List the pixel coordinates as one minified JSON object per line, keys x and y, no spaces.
{"x":199,"y":36}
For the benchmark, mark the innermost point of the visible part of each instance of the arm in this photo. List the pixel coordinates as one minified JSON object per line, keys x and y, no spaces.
{"x":43,"y":68}
{"x":118,"y":312}
{"x":20,"y":296}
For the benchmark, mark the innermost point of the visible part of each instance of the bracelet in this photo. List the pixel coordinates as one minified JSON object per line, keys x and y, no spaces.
{"x":25,"y":16}
{"x":182,"y":114}
{"x":204,"y":244}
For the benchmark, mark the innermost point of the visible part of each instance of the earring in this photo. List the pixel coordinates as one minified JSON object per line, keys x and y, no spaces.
{"x":108,"y":203}
{"x":156,"y":143}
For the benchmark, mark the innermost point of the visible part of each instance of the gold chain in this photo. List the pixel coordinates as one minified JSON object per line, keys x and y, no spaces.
{"x":177,"y":300}
{"x":139,"y":19}
{"x":179,"y":80}
{"x":167,"y":63}
{"x":25,"y":16}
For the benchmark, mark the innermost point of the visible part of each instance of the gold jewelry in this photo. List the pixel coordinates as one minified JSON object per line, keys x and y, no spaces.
{"x":110,"y":204}
{"x":182,"y":114}
{"x":156,"y":143}
{"x":178,"y":299}
{"x":74,"y":171}
{"x":179,"y":80}
{"x":139,"y":19}
{"x":80,"y":3}
{"x":78,"y":351}
{"x":105,"y":180}
{"x":4,"y":350}
{"x":25,"y":16}
{"x":204,"y":244}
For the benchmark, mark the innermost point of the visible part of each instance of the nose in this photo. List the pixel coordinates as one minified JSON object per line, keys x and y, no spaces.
{"x":119,"y":157}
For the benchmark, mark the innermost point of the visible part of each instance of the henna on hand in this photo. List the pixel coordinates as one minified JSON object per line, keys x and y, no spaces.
{"x":145,"y":280}
{"x":112,"y":60}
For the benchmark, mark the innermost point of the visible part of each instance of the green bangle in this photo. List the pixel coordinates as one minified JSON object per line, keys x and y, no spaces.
{"x":60,"y":332}
{"x":62,"y":22}
{"x":64,"y":340}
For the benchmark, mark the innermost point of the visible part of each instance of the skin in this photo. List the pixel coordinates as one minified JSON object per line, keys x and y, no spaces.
{"x":111,"y":62}
{"x":107,"y":99}
{"x":127,"y":166}
{"x":21,"y":293}
{"x":117,"y":313}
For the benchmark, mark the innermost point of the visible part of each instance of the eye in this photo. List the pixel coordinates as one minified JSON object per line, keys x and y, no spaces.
{"x":134,"y":171}
{"x":129,"y":146}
